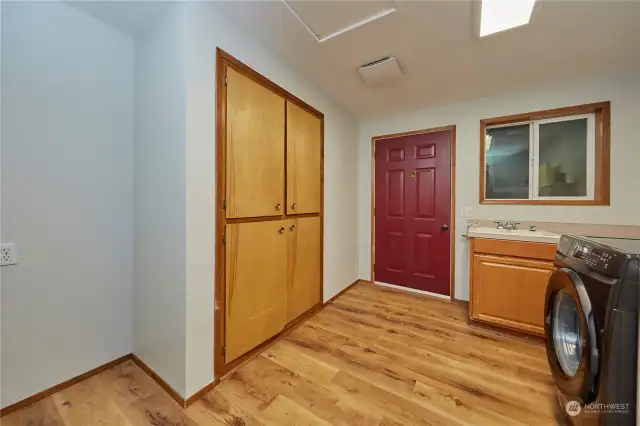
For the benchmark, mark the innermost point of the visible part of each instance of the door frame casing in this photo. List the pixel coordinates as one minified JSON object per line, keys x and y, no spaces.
{"x":223,"y":61}
{"x":452,"y":266}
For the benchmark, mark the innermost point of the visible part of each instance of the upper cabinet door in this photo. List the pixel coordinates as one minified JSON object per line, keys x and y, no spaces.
{"x":255,"y":148}
{"x":304,"y":138}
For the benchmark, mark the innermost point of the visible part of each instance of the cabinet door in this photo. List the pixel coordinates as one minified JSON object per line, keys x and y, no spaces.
{"x":255,"y":149}
{"x":510,"y":291}
{"x":304,"y":265}
{"x":303,"y":161}
{"x":256,"y":280}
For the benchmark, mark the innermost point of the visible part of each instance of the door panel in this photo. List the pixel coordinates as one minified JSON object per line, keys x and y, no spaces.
{"x":255,"y":279}
{"x":412,"y":203}
{"x":304,"y":136}
{"x":305,"y":266}
{"x":510,"y":291}
{"x":255,"y":149}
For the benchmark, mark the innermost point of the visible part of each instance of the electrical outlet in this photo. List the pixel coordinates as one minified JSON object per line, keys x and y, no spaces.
{"x":8,"y":254}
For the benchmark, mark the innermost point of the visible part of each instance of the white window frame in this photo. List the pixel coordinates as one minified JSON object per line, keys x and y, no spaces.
{"x":534,"y":156}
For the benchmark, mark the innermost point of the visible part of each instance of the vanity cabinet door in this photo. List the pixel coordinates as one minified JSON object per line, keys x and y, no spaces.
{"x":509,"y":291}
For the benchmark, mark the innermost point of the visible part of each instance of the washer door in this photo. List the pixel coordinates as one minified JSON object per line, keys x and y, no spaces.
{"x":572,"y":347}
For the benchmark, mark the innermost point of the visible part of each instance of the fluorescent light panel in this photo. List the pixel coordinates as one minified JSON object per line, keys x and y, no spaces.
{"x":500,"y":15}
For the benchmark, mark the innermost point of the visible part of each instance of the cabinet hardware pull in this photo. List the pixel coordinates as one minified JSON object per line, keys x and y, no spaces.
{"x":281,"y":230}
{"x":278,"y":206}
{"x":293,"y":206}
{"x":292,"y":228}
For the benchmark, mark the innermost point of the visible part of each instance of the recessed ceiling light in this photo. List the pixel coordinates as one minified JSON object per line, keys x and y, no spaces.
{"x":500,"y":15}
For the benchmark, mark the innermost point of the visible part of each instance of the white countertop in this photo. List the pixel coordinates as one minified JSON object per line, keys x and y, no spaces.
{"x":514,"y":235}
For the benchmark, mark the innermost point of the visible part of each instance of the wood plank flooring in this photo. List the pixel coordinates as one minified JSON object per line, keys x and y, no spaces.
{"x":376,"y":356}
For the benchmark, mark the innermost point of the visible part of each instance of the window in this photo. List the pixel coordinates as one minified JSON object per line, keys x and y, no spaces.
{"x":558,"y":156}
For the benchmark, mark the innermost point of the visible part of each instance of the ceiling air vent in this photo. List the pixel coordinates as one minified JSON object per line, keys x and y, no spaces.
{"x":381,"y":72}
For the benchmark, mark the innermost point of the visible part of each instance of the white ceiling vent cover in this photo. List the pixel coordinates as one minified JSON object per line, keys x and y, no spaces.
{"x":381,"y":72}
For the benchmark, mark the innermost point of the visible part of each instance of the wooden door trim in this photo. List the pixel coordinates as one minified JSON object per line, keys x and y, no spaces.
{"x":452,"y":231}
{"x":224,"y":60}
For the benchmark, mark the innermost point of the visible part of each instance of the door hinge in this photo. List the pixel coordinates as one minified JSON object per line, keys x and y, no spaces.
{"x":226,"y":80}
{"x":224,"y":204}
{"x":224,"y":238}
{"x":224,"y":351}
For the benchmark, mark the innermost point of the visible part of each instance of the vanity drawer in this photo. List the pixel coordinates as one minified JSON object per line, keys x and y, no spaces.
{"x":524,"y":249}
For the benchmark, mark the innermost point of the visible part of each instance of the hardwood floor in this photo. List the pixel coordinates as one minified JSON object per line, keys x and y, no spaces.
{"x":376,"y":356}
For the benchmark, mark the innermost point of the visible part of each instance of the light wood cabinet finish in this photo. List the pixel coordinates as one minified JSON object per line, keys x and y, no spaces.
{"x":304,"y":136}
{"x":304,"y":287}
{"x":269,"y":151}
{"x":506,"y":290}
{"x":525,"y":249}
{"x":255,"y":148}
{"x":256,"y":277}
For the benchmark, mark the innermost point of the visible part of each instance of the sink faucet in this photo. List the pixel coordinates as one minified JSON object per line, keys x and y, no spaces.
{"x":511,"y":225}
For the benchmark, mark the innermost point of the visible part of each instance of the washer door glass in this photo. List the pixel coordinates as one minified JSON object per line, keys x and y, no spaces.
{"x":567,"y":337}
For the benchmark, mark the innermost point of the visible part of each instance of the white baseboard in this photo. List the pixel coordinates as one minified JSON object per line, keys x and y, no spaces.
{"x":413,"y":290}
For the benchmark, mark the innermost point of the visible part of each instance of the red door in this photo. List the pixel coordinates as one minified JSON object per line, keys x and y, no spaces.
{"x":413,"y":211}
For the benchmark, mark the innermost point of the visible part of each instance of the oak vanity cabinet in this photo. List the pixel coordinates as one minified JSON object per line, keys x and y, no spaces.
{"x":508,"y":283}
{"x":272,"y":201}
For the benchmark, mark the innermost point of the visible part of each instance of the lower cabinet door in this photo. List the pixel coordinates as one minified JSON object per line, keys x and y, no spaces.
{"x":509,"y":291}
{"x":304,"y":266}
{"x":255,"y":284}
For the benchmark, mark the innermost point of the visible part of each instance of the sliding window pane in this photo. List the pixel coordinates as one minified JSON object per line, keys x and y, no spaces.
{"x":562,"y":158}
{"x":507,"y":162}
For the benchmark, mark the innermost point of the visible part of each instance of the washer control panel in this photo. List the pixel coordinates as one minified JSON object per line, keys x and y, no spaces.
{"x":597,"y":258}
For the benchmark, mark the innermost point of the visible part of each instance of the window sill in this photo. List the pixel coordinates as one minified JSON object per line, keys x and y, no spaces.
{"x":547,"y":202}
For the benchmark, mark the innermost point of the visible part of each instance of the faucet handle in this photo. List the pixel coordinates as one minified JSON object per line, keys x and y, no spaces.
{"x":514,"y":225}
{"x":499,"y":223}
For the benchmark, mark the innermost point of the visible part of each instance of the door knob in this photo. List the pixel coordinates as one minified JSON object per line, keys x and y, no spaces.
{"x":293,"y":206}
{"x":292,"y":228}
{"x":281,"y":230}
{"x":278,"y":206}
{"x":444,"y":227}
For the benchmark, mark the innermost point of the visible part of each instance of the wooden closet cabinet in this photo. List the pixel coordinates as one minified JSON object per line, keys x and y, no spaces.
{"x":269,"y":222}
{"x":273,"y":277}
{"x":254,"y":149}
{"x":303,"y":287}
{"x":304,"y":136}
{"x":256,"y":284}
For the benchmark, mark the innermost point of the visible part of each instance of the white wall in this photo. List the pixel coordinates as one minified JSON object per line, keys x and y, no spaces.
{"x":159,"y":309}
{"x":67,"y":195}
{"x":206,"y":31}
{"x":622,"y":90}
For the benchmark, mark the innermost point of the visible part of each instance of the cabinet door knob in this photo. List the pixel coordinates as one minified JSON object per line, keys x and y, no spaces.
{"x":293,"y":206}
{"x":278,"y":206}
{"x":281,"y":230}
{"x":292,"y":228}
